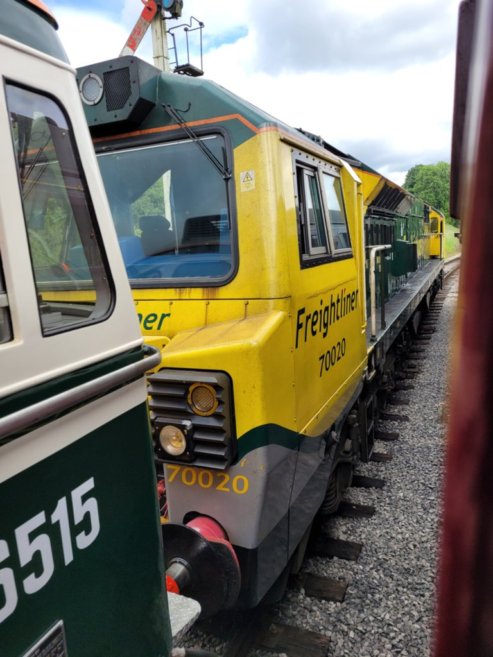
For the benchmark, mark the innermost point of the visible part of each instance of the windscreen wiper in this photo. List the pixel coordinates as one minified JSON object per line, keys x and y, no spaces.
{"x":173,"y":113}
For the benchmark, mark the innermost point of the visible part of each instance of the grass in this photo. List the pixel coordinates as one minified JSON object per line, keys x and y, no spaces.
{"x":452,"y":244}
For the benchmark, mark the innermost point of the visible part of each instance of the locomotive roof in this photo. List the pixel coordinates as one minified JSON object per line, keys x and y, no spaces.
{"x":30,"y":22}
{"x":199,"y":102}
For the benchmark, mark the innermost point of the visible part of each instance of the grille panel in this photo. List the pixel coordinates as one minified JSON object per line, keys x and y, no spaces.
{"x":117,"y":88}
{"x":213,"y":436}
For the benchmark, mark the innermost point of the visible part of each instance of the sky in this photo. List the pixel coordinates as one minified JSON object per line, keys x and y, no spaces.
{"x":375,"y":78}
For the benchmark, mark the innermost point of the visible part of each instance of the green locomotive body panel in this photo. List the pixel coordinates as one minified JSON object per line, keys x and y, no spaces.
{"x":93,"y":504}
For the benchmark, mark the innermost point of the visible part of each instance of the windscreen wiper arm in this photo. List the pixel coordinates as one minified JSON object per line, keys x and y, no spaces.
{"x":225,"y":173}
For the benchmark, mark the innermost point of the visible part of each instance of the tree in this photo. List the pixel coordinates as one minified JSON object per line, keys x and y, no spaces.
{"x":431,"y":183}
{"x":411,"y":175}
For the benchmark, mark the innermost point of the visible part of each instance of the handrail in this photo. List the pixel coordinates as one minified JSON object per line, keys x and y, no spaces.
{"x":41,"y":411}
{"x":373,"y":291}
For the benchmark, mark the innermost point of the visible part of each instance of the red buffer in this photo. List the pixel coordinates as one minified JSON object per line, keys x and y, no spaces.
{"x":202,"y":564}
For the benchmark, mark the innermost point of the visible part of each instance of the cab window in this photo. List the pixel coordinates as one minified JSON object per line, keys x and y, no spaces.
{"x":170,"y":206}
{"x":336,"y":213}
{"x":70,"y":271}
{"x":311,"y":214}
{"x":322,"y":222}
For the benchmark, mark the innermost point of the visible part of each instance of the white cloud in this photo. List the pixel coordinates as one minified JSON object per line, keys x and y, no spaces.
{"x":392,"y":116}
{"x":89,"y":37}
{"x":218,"y":15}
{"x":329,"y":36}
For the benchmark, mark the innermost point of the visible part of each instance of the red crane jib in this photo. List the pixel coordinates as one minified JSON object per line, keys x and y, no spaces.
{"x":140,"y":28}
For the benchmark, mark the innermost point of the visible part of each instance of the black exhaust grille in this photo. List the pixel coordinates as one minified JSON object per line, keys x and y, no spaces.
{"x":117,"y":88}
{"x":213,"y":437}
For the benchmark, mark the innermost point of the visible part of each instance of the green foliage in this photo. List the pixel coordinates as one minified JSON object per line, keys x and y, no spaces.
{"x":411,"y":176}
{"x":431,"y":183}
{"x":151,"y":202}
{"x":48,"y":236}
{"x":452,"y":244}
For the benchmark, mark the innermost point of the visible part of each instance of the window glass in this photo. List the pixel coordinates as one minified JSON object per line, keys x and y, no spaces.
{"x":337,"y":214}
{"x":5,"y":325}
{"x":170,"y":207}
{"x":72,"y":279}
{"x":314,"y":235}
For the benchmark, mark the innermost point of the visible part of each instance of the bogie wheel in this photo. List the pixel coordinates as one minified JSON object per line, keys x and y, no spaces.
{"x":333,"y":495}
{"x":340,"y":480}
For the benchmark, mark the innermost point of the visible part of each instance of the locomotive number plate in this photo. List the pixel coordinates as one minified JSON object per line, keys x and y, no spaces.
{"x":52,"y":644}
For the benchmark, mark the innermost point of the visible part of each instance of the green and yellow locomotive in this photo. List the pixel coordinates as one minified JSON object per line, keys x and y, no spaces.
{"x":277,"y":275}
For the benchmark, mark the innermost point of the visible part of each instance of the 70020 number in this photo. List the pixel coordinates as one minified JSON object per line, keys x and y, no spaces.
{"x":33,"y":544}
{"x":220,"y":481}
{"x":332,"y":356}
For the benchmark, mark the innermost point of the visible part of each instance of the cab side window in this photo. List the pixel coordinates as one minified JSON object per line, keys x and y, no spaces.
{"x":337,"y":214}
{"x":323,"y":228}
{"x":314,"y":237}
{"x":72,"y":277}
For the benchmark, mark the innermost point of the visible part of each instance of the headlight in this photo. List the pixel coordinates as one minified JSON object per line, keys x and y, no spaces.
{"x":172,"y":440}
{"x":91,"y":89}
{"x":200,"y":405}
{"x":202,"y":399}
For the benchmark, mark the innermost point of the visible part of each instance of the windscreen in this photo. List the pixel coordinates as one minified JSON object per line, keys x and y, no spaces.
{"x":170,"y":207}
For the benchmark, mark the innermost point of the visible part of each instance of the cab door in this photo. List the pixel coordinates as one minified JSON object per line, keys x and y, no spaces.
{"x":328,"y":318}
{"x":327,"y":301}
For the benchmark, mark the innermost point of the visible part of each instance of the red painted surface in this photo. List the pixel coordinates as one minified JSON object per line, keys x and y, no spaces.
{"x":465,"y":600}
{"x":213,"y":532}
{"x":171,"y":585}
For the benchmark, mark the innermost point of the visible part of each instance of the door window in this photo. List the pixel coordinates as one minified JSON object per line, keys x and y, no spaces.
{"x":336,"y":212}
{"x":314,"y":238}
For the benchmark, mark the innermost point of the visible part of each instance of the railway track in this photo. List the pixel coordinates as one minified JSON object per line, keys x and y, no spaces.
{"x":451,"y":266}
{"x":275,"y":629}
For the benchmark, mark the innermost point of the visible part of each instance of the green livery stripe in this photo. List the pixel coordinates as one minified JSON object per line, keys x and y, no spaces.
{"x":273,"y":434}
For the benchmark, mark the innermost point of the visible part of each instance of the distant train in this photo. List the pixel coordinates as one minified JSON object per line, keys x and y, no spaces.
{"x":281,"y":280}
{"x":81,"y":561}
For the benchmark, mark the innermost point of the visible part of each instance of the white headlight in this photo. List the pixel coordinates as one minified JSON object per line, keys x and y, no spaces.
{"x":172,"y":440}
